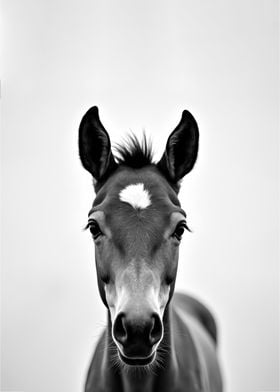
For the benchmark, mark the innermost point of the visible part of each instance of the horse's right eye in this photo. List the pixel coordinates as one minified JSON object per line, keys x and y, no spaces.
{"x":94,"y":229}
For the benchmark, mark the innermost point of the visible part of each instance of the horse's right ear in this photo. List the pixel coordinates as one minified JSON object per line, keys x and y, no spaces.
{"x":95,"y":146}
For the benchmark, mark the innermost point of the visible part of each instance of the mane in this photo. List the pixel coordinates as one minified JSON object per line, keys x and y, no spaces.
{"x":134,"y":153}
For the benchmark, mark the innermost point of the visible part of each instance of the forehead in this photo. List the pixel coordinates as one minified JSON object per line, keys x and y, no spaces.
{"x":136,"y":195}
{"x":143,"y":192}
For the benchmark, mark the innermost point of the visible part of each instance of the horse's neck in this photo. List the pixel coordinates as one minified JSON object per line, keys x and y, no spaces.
{"x":159,"y":376}
{"x":133,"y":382}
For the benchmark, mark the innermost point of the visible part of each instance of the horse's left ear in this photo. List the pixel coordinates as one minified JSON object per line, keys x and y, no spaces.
{"x":181,"y":149}
{"x":95,"y":146}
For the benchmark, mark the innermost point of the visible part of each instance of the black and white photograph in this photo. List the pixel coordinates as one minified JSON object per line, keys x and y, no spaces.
{"x":140,"y":196}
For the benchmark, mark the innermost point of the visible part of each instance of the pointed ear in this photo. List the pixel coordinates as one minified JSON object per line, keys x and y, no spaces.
{"x":95,"y":146}
{"x":181,"y":149}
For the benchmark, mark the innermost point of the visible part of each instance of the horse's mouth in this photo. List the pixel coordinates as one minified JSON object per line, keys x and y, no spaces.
{"x":137,"y":361}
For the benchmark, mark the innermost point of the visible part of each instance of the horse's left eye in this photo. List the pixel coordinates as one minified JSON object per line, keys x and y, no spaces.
{"x":94,"y":229}
{"x":179,"y":231}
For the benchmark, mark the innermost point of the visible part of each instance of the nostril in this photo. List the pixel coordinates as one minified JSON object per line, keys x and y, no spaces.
{"x":156,"y":331}
{"x":119,"y":329}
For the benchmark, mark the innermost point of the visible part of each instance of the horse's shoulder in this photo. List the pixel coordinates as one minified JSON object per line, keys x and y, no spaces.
{"x":196,"y":339}
{"x":94,"y":375}
{"x":195,"y":308}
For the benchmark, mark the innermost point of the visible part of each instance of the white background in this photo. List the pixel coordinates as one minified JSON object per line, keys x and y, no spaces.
{"x":142,"y":62}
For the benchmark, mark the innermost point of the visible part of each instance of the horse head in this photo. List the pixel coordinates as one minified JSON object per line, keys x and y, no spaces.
{"x":137,"y":223}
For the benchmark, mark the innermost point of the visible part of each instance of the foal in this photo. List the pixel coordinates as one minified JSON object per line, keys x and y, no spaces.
{"x":155,"y":340}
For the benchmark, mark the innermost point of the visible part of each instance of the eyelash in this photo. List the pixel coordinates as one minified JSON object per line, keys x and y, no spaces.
{"x":177,"y":234}
{"x":94,"y":228}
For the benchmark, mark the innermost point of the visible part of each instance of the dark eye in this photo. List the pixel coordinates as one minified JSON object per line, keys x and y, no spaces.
{"x":94,"y":229}
{"x":179,"y":231}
